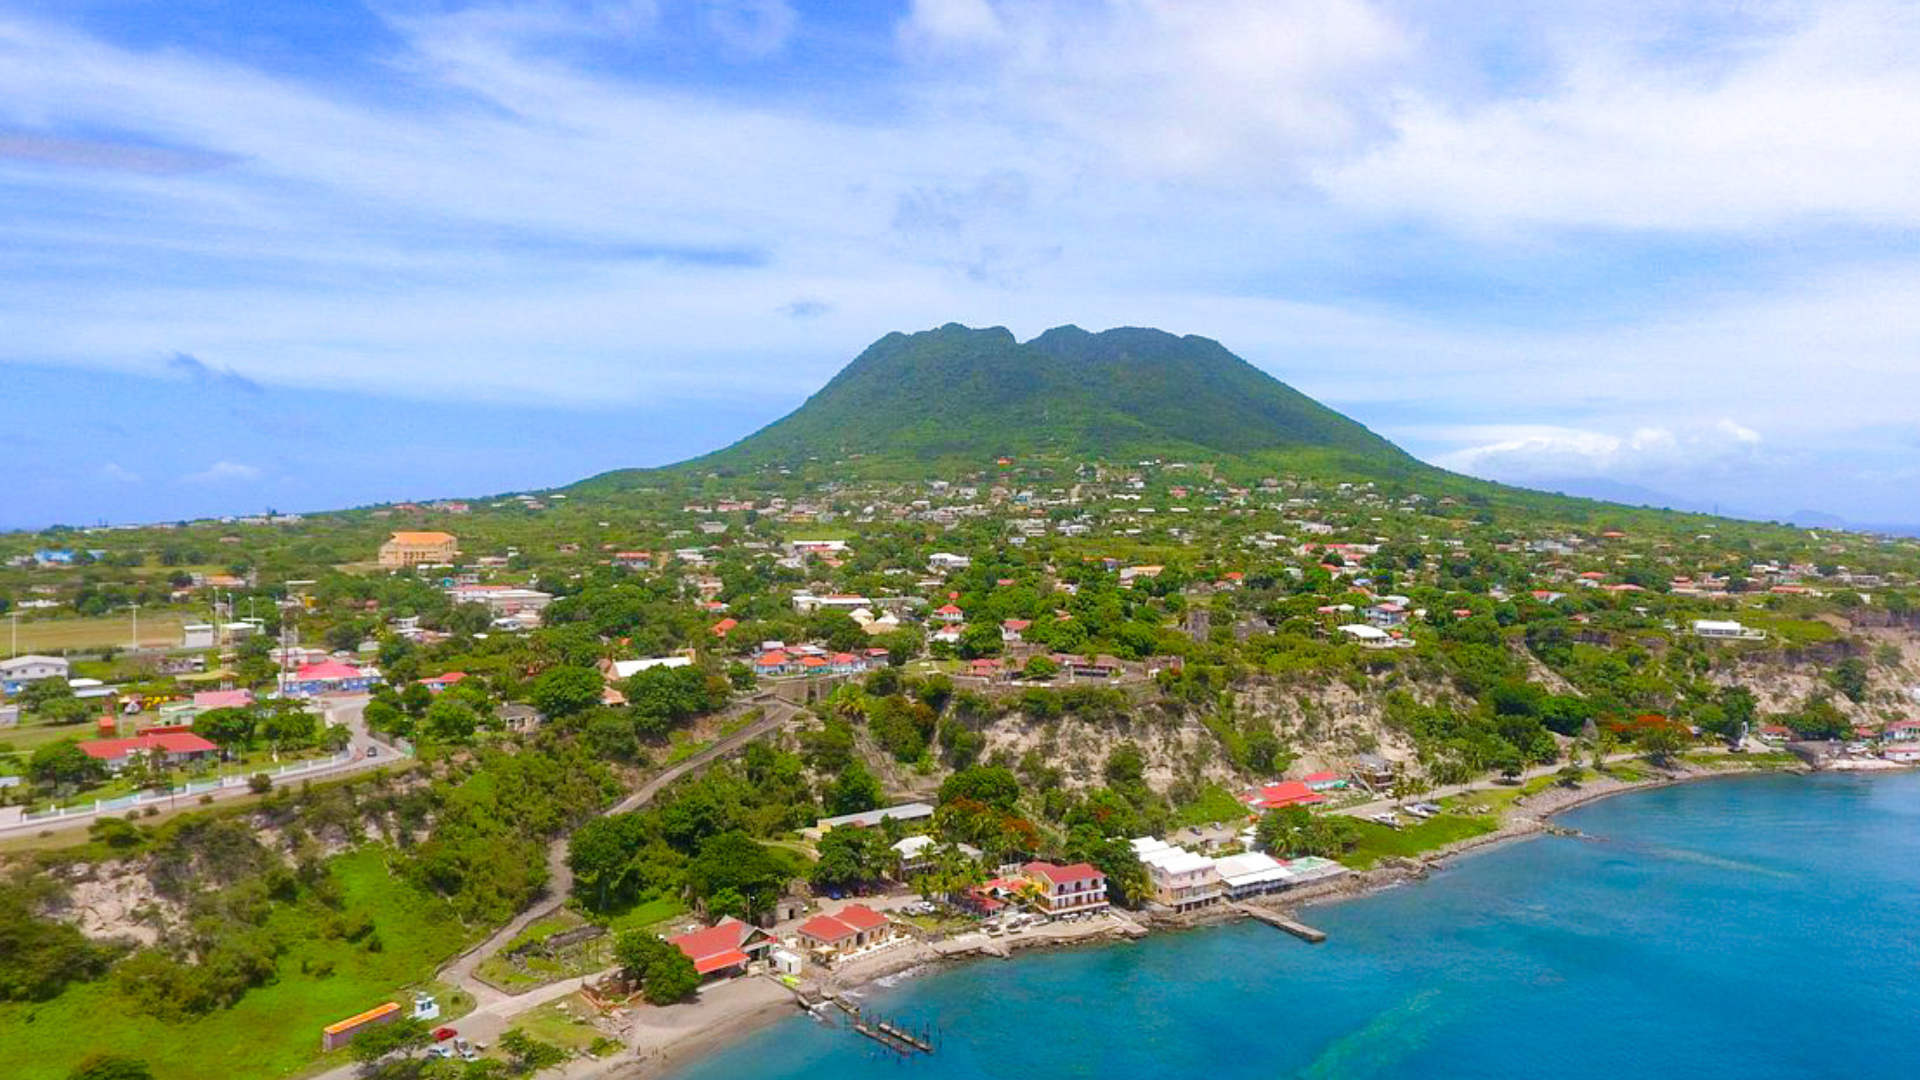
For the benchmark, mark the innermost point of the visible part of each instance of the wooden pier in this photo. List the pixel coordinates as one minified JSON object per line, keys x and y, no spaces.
{"x":1275,"y":919}
{"x":893,"y":1037}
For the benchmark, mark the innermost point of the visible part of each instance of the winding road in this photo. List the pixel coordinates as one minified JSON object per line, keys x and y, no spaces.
{"x":460,"y":972}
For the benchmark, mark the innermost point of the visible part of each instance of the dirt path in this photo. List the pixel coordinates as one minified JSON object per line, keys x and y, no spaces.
{"x":460,"y":972}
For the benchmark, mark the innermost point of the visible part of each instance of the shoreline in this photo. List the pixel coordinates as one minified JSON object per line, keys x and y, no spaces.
{"x":730,"y":1017}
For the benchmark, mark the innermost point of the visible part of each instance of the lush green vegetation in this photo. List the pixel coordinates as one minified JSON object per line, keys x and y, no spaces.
{"x":1374,"y":842}
{"x":355,"y":935}
{"x":955,"y":394}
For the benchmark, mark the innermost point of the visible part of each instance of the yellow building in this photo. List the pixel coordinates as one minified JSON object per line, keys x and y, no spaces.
{"x":417,"y":548}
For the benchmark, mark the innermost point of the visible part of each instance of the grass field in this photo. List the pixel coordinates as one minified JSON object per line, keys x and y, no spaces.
{"x":158,"y":630}
{"x":1215,"y":804}
{"x":275,"y":1029}
{"x":1378,"y":842}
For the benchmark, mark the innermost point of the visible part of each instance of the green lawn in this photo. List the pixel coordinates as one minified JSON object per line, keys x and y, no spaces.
{"x":275,"y":1029}
{"x":160,"y":629}
{"x":1378,"y":842}
{"x":581,"y":958}
{"x":1215,"y":804}
{"x":568,"y":1028}
{"x":646,"y":914}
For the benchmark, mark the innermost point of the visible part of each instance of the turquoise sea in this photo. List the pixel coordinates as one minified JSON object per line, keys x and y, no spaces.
{"x":1749,"y":927}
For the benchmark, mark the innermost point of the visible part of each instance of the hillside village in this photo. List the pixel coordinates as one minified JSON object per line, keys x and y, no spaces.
{"x":1062,"y":698}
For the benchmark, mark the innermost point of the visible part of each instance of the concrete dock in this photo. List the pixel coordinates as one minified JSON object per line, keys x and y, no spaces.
{"x":1275,"y":919}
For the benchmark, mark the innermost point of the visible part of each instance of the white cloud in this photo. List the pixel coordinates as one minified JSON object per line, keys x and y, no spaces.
{"x":1803,"y":119}
{"x":505,"y":220}
{"x":1544,"y":452}
{"x":118,"y":474}
{"x":752,"y":28}
{"x":223,"y":472}
{"x":1204,"y":91}
{"x":938,"y":24}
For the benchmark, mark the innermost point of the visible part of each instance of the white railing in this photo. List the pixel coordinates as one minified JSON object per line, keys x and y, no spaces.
{"x":192,"y":787}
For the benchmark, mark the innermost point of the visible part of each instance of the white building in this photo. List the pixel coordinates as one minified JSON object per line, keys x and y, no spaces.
{"x":1726,"y":630}
{"x":622,"y":670}
{"x":944,"y":562}
{"x":1182,"y":880}
{"x":22,"y":670}
{"x":1251,"y":873}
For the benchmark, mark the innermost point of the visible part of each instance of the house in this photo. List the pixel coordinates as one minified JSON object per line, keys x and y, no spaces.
{"x":519,"y":718}
{"x":622,"y":670}
{"x":948,"y":613}
{"x":1324,"y":781}
{"x":222,"y":699}
{"x":438,"y":684}
{"x":724,"y":627}
{"x":404,"y":549}
{"x":1386,"y":615}
{"x":725,"y":948}
{"x":990,"y":897}
{"x":197,"y":636}
{"x":1373,"y":769}
{"x":849,"y":930}
{"x":1182,"y":880}
{"x":633,"y":560}
{"x":1011,"y":629}
{"x":171,"y":748}
{"x":1284,"y":793}
{"x":1088,"y":667}
{"x":1904,"y":753}
{"x":21,"y":670}
{"x":328,"y":677}
{"x":1775,"y":734}
{"x":1901,"y":731}
{"x":1371,"y":637}
{"x":941,"y":562}
{"x":1131,"y":574}
{"x":503,"y":601}
{"x":1068,"y":889}
{"x":775,"y":662}
{"x":1726,"y":630}
{"x":985,"y":667}
{"x":867,"y":819}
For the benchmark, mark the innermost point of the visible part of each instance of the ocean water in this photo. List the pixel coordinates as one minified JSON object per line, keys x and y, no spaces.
{"x":1749,"y":928}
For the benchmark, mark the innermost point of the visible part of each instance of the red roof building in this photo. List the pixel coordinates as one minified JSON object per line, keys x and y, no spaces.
{"x":1065,"y":889}
{"x":721,"y":628}
{"x":853,"y":927}
{"x":1284,"y":793}
{"x":724,"y":948}
{"x":172,"y":747}
{"x":223,"y":699}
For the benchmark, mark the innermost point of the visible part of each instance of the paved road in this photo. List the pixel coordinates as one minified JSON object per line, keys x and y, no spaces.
{"x":560,"y":876}
{"x":1382,"y":805}
{"x":347,"y":710}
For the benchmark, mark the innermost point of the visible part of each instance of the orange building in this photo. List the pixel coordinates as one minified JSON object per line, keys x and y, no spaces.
{"x":417,"y":548}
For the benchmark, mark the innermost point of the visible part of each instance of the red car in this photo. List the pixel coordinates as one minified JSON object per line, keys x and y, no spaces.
{"x":443,"y":1034}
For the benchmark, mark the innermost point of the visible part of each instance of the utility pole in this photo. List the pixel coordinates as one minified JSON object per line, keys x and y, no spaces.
{"x":135,"y":646}
{"x":14,"y":649}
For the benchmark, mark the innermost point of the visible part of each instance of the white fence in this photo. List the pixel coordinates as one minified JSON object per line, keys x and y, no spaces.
{"x":192,"y":787}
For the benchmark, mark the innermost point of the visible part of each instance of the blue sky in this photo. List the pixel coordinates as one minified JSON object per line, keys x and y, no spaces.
{"x":313,"y":255}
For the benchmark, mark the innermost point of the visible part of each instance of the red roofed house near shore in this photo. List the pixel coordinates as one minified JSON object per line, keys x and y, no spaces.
{"x":1066,"y":889}
{"x":1284,"y":793}
{"x":850,"y":929}
{"x":172,"y":747}
{"x":723,"y":949}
